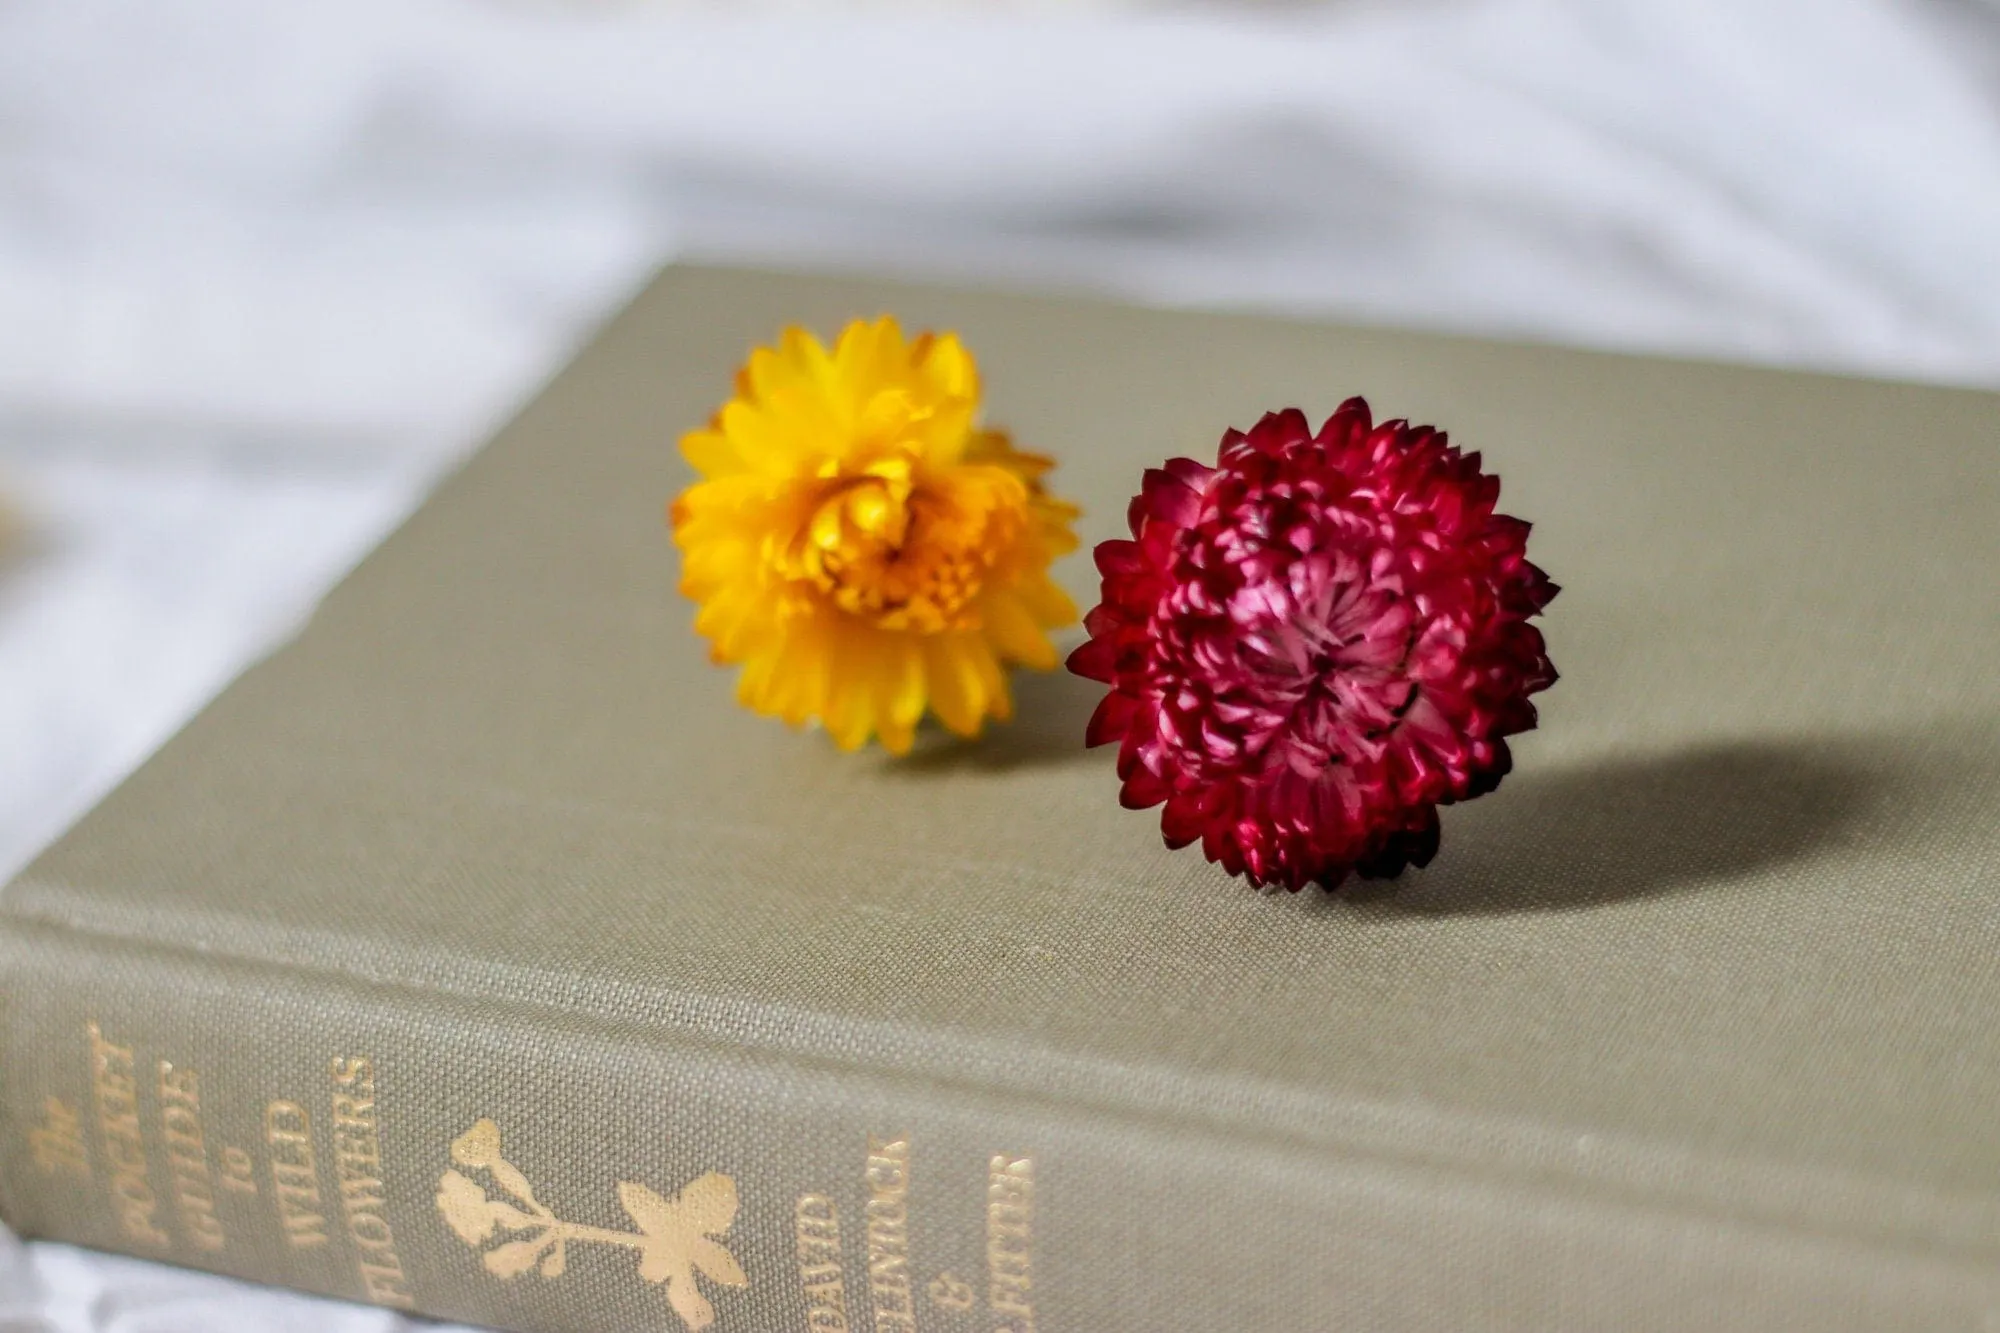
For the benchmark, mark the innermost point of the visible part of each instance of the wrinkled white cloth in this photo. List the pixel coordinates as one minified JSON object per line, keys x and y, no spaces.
{"x":265,"y":268}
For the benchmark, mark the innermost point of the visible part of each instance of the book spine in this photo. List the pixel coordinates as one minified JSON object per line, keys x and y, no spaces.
{"x":518,"y":1164}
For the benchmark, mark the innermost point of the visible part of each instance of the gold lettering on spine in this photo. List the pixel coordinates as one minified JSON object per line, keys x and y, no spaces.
{"x":115,"y":1093}
{"x":1010,"y":1214}
{"x":179,"y":1091}
{"x":951,"y":1292}
{"x":357,"y":1159}
{"x":239,"y":1171}
{"x":294,"y":1174}
{"x":888,"y":1216}
{"x":816,"y":1221}
{"x":58,"y":1143}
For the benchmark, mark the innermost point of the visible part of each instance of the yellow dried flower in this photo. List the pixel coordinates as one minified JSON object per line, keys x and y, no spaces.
{"x":862,"y":546}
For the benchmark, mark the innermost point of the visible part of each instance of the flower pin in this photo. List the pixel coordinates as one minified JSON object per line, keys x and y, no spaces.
{"x":1314,"y":644}
{"x":862,"y":546}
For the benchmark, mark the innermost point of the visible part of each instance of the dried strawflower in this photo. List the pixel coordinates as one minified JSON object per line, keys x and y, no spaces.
{"x":1314,"y":644}
{"x":862,"y":546}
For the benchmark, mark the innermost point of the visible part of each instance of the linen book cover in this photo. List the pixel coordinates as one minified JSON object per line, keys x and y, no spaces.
{"x":475,"y":954}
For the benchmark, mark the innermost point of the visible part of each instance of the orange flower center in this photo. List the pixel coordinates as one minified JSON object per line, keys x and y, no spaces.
{"x":903,"y":553}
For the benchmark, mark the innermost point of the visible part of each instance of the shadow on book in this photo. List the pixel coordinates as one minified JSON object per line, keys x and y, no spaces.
{"x":1051,"y":709}
{"x":1607,"y":832}
{"x":1637,"y":827}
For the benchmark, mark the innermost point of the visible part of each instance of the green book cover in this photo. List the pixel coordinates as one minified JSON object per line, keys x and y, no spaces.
{"x":475,"y":954}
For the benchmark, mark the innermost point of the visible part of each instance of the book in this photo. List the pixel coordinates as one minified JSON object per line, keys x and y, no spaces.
{"x":475,"y":955}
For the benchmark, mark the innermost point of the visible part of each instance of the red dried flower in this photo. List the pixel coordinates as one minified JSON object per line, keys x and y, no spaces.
{"x":1314,"y":644}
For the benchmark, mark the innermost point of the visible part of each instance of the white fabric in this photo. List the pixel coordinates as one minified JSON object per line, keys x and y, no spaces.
{"x":264,"y":268}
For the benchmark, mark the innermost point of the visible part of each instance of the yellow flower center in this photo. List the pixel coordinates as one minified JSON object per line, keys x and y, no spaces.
{"x":903,"y":553}
{"x":862,"y":546}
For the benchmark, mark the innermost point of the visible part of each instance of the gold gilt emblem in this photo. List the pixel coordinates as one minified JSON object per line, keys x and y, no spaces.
{"x":676,"y":1239}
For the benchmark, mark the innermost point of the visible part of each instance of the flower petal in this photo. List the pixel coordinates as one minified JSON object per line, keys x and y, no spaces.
{"x":957,"y":691}
{"x":1014,"y":631}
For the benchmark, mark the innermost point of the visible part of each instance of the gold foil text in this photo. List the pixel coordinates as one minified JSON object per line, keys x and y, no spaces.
{"x":951,"y":1292}
{"x":1010,"y":1211}
{"x":357,"y":1159}
{"x":239,"y":1171}
{"x":179,"y":1091}
{"x":888,"y":1216}
{"x":816,"y":1221}
{"x":57,"y":1143}
{"x":115,"y":1092}
{"x":294,"y":1174}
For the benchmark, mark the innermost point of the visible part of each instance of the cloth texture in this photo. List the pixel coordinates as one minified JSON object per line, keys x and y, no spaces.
{"x":264,"y":270}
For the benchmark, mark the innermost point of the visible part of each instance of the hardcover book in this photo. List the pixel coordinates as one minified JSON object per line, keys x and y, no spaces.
{"x":475,"y":955}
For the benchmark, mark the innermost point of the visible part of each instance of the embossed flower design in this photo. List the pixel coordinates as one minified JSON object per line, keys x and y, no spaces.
{"x":677,"y":1238}
{"x":478,"y":1147}
{"x":466,"y":1207}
